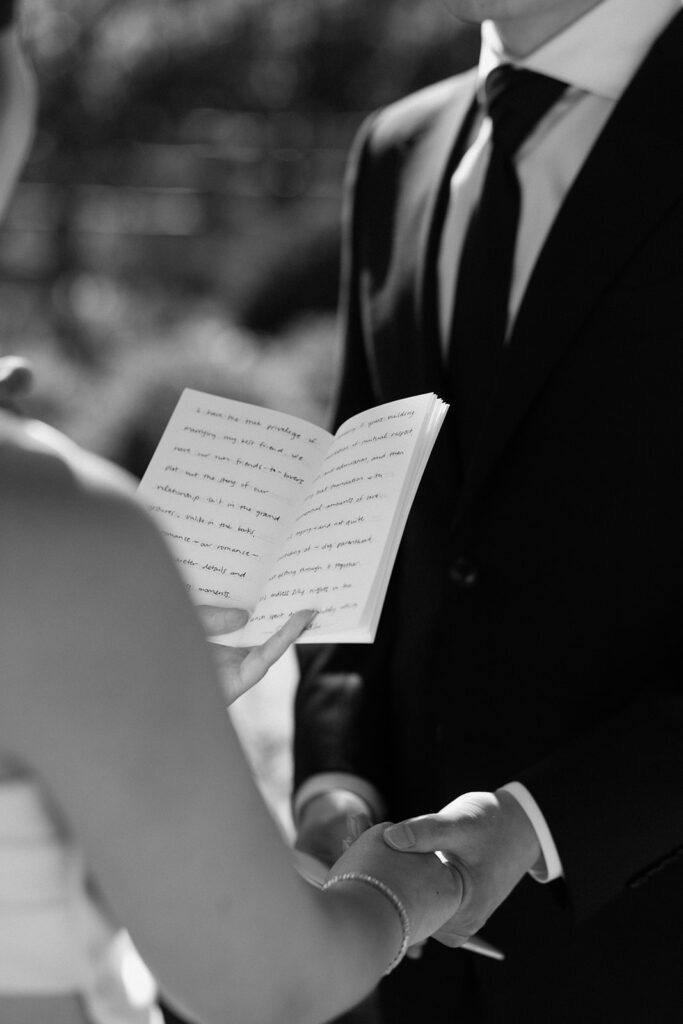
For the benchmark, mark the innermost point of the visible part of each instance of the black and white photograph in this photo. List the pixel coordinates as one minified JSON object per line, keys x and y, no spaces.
{"x":341,"y":505}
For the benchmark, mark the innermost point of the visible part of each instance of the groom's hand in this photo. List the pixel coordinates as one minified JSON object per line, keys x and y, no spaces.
{"x":490,"y":841}
{"x":329,"y":822}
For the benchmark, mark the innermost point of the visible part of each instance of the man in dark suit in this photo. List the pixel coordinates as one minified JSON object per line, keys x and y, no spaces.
{"x":526,"y":676}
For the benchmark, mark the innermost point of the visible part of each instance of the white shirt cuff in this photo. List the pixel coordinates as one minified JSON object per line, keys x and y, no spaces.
{"x":323,"y":782}
{"x":552,"y":866}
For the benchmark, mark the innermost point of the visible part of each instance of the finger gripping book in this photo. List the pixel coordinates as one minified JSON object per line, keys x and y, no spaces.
{"x":266,"y":511}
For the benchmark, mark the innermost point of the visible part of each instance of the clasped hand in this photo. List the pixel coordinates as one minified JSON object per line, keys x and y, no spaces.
{"x":488,"y":839}
{"x":429,"y":891}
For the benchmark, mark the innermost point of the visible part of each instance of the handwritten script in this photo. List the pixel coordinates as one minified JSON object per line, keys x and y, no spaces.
{"x":267,"y":512}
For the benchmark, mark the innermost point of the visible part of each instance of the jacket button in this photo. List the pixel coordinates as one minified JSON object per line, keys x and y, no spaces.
{"x":463,"y":573}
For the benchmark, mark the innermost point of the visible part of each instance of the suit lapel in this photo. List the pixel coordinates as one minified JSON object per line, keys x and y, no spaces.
{"x":446,"y":148}
{"x":445,"y":470}
{"x":633,"y":175}
{"x":404,"y":310}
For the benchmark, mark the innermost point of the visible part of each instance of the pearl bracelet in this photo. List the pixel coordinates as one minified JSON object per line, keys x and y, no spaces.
{"x":396,"y":902}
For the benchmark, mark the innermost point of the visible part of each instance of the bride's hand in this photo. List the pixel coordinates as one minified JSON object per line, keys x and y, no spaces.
{"x":429,"y":890}
{"x":240,"y":668}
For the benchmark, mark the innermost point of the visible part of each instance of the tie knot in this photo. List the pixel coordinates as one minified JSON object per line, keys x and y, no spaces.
{"x":516,"y":100}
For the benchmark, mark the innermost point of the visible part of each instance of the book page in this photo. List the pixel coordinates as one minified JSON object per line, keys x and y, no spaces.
{"x":225,"y":484}
{"x":339,"y":536}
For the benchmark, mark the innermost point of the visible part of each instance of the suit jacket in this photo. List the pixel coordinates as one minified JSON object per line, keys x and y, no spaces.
{"x":533,"y":625}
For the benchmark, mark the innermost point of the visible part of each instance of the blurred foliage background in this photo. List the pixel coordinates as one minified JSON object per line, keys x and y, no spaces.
{"x":178,"y":220}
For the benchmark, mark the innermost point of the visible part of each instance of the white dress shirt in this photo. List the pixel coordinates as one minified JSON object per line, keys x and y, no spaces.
{"x":597,"y":56}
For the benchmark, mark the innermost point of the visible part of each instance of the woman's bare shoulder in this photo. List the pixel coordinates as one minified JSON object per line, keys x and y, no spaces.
{"x":89,"y":595}
{"x":34,"y":455}
{"x":45,"y":478}
{"x":71,"y":530}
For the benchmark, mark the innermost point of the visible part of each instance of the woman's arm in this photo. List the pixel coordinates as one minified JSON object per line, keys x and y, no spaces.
{"x":109,"y":695}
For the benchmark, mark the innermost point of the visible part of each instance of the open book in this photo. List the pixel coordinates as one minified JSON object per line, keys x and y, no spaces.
{"x":268,"y":512}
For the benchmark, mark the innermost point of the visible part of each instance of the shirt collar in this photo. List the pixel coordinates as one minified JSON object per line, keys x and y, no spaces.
{"x":598,"y":53}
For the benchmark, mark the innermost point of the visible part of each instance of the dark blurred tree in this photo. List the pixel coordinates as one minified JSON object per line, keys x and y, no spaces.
{"x":114,"y":73}
{"x":62,"y":37}
{"x":314,"y":56}
{"x":86,"y":53}
{"x":117,"y":69}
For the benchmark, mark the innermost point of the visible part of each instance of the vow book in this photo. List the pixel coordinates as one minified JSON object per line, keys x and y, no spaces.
{"x":268,"y":512}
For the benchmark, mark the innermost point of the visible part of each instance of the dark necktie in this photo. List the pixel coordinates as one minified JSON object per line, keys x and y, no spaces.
{"x":516,"y":100}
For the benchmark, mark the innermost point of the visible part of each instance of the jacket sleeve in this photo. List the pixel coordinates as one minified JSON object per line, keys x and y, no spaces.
{"x":613,"y":800}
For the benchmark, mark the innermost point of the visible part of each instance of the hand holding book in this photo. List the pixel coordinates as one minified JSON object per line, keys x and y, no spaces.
{"x":240,"y":668}
{"x":266,"y":511}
